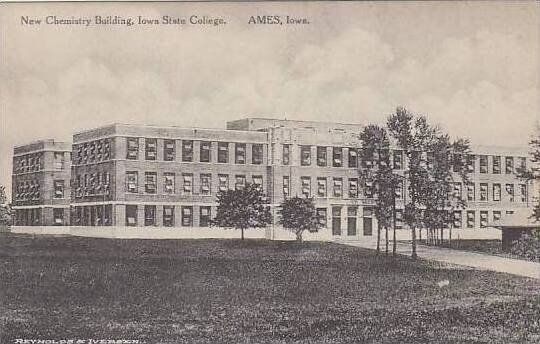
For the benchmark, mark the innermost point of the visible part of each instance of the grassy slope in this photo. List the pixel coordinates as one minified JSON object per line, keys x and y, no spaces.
{"x":251,"y":292}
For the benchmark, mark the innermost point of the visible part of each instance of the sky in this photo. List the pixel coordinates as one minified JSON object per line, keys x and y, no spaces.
{"x":470,"y":67}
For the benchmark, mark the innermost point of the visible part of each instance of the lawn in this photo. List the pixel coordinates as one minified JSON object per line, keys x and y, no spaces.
{"x":229,"y":291}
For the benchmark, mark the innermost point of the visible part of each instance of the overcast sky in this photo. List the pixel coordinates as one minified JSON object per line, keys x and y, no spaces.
{"x":471,"y":67}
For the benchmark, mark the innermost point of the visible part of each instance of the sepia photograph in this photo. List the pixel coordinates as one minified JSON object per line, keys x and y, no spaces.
{"x":269,"y":172}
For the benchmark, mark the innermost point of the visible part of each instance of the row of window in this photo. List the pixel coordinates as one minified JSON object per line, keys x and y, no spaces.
{"x":92,"y":184}
{"x":169,"y":180}
{"x":337,"y":157}
{"x":337,"y":187}
{"x":168,"y":216}
{"x":27,"y":190}
{"x":495,"y":192}
{"x":94,"y":151}
{"x":483,"y":160}
{"x":187,"y":149}
{"x":35,"y":162}
{"x":470,"y":218}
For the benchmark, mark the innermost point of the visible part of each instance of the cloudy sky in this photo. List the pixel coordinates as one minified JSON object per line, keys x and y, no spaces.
{"x":471,"y":67}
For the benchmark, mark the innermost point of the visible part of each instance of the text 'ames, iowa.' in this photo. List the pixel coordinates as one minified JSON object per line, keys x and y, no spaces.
{"x":277,"y":20}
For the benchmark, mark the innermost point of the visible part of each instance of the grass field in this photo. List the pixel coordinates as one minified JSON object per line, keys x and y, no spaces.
{"x":226,"y":291}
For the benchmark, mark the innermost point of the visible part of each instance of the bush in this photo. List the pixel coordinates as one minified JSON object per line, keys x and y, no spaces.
{"x":528,"y":246}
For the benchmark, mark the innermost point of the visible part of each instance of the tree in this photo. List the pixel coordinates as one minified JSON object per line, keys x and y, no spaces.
{"x":242,"y":208}
{"x":445,"y":165}
{"x":298,"y":214}
{"x":532,"y":174}
{"x":414,"y":135}
{"x":5,"y":209}
{"x":377,"y":170}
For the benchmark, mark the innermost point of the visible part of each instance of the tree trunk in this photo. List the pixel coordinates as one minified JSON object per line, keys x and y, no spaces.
{"x":386,"y":238}
{"x":242,"y":230}
{"x":413,"y":255}
{"x":378,"y":238}
{"x":394,"y":249}
{"x":299,"y":236}
{"x":394,"y":222}
{"x":450,"y":236}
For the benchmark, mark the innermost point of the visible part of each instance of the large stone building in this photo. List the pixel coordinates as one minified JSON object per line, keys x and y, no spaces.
{"x":41,"y":183}
{"x":130,"y":175}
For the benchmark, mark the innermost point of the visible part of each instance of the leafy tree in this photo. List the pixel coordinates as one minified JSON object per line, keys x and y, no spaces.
{"x":242,"y":208}
{"x":532,"y":174}
{"x":437,"y":193}
{"x":415,"y":136}
{"x":376,"y":169}
{"x":5,"y":209}
{"x":298,"y":214}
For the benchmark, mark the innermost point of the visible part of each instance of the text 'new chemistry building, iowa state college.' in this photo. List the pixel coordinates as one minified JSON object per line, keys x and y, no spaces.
{"x":131,"y":175}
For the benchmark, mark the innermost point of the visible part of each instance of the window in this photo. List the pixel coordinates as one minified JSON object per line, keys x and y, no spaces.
{"x":58,"y":215}
{"x":368,"y":221}
{"x":457,"y":162}
{"x":510,"y":192}
{"x":457,"y":219}
{"x":187,"y":183}
{"x":223,"y":152}
{"x":483,"y":219}
{"x":321,"y":156}
{"x":483,"y":159}
{"x":132,"y":182}
{"x":240,"y":182}
{"x":368,"y":189}
{"x":150,"y":182}
{"x":204,"y":216}
{"x":522,"y":164}
{"x":131,"y":215}
{"x":351,"y":220}
{"x":470,"y":192}
{"x":58,"y":189}
{"x":168,"y":183}
{"x":523,"y":192}
{"x":205,"y":151}
{"x":187,"y":216}
{"x":353,"y":158}
{"x":399,"y":218}
{"x":240,"y":153}
{"x":338,"y":187}
{"x":384,"y":158}
{"x":496,"y":165}
{"x":321,"y":217}
{"x":150,"y":149}
{"x":367,"y":158}
{"x":258,"y":182}
{"x":286,"y":154}
{"x":399,"y":190}
{"x":169,"y":150}
{"x":58,"y":161}
{"x":470,"y":162}
{"x":353,"y":188}
{"x":398,"y":159}
{"x":223,"y":182}
{"x":496,"y":216}
{"x":187,"y":151}
{"x":257,"y":154}
{"x":457,"y":190}
{"x":337,"y":154}
{"x":336,"y":220}
{"x":306,"y":186}
{"x":483,"y":192}
{"x":149,"y":215}
{"x":321,"y":187}
{"x":497,"y":192}
{"x":132,"y":148}
{"x":206,"y":184}
{"x":168,"y":215}
{"x":305,"y":155}
{"x":286,"y":186}
{"x":509,"y":163}
{"x":470,"y":219}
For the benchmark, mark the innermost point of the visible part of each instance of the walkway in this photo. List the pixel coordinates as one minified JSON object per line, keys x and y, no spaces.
{"x":471,"y":259}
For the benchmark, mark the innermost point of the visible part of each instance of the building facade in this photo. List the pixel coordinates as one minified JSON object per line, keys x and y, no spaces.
{"x":41,"y":183}
{"x":129,"y":175}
